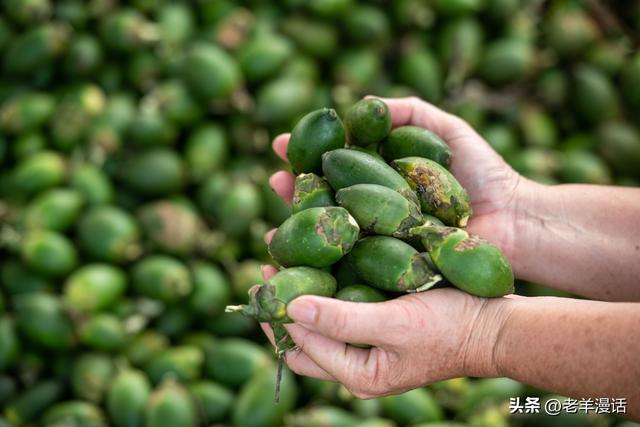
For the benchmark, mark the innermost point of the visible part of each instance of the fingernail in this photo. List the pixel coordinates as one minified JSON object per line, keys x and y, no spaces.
{"x":302,"y":311}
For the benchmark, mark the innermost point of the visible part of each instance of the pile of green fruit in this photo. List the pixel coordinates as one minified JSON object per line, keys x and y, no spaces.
{"x":134,"y":196}
{"x":373,"y":234}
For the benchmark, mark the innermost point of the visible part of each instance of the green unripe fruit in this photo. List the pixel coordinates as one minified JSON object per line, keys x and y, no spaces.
{"x":26,"y":112}
{"x":414,"y":141}
{"x":206,"y":151}
{"x":233,"y":361}
{"x":38,"y":172}
{"x":95,"y":287}
{"x":440,"y":193}
{"x":170,"y":405}
{"x":49,"y":253}
{"x":467,"y":261}
{"x":280,"y":101}
{"x":412,"y":407}
{"x":32,"y":402}
{"x":170,"y":226}
{"x":315,"y":134}
{"x":210,"y":72}
{"x":367,"y":122}
{"x":595,"y":96}
{"x":268,"y":302}
{"x":184,"y":363}
{"x":311,"y":191}
{"x":213,"y":401}
{"x":211,"y":289}
{"x":506,"y":60}
{"x":344,"y":168}
{"x":36,"y":48}
{"x":92,"y":183}
{"x":103,"y":332}
{"x":108,"y":233}
{"x":379,"y":209}
{"x":154,"y":173}
{"x":55,"y":209}
{"x":569,"y":30}
{"x":77,"y":412}
{"x":127,"y":397}
{"x":9,"y":343}
{"x":360,"y":293}
{"x":144,"y":346}
{"x":317,"y":237}
{"x":585,"y":167}
{"x":419,"y":69}
{"x":320,"y":416}
{"x":161,"y":277}
{"x":91,"y":374}
{"x":41,"y":319}
{"x":264,"y":55}
{"x":620,"y":145}
{"x":391,"y":265}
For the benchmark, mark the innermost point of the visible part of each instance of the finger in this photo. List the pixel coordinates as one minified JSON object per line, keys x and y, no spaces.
{"x":342,"y":361}
{"x":268,"y":271}
{"x":414,"y":111}
{"x":269,"y":235}
{"x":283,"y":184}
{"x":266,"y":328}
{"x":300,"y":363}
{"x":371,"y":323}
{"x":280,"y":144}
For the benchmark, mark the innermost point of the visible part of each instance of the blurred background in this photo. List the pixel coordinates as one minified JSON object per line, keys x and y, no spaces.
{"x":134,"y":158}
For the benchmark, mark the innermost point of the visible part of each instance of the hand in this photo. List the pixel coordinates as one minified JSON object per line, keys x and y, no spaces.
{"x":495,"y":189}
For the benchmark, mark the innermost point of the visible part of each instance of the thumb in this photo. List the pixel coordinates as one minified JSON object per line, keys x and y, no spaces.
{"x":344,"y":321}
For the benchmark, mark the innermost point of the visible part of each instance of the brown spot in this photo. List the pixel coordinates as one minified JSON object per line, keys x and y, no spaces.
{"x":468,"y":243}
{"x":430,"y":187}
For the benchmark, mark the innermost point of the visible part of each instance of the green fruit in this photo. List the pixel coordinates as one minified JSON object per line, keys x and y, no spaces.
{"x":17,"y":279}
{"x":488,"y":391}
{"x":284,"y":99}
{"x":210,"y":72}
{"x":243,"y":277}
{"x":264,"y":55}
{"x":144,"y":346}
{"x":311,"y":191}
{"x":26,"y":112}
{"x":460,"y":45}
{"x":233,"y":361}
{"x":414,"y":141}
{"x":367,"y":24}
{"x":552,"y":87}
{"x":486,"y":272}
{"x":440,"y":194}
{"x":149,"y":128}
{"x":126,"y":30}
{"x":95,"y":287}
{"x":231,"y":325}
{"x":127,"y":397}
{"x":322,"y":416}
{"x":317,"y":237}
{"x":161,"y":277}
{"x":344,"y":168}
{"x":585,"y":167}
{"x":84,"y":56}
{"x":76,"y":413}
{"x":501,"y":138}
{"x":91,"y":374}
{"x":391,"y":265}
{"x":155,"y":172}
{"x":9,"y":343}
{"x":378,"y":422}
{"x":344,"y":273}
{"x":367,"y":122}
{"x":170,"y":226}
{"x":316,"y":38}
{"x":213,"y":401}
{"x":174,"y":321}
{"x":55,"y":209}
{"x":211,"y":289}
{"x":7,"y":390}
{"x":595,"y":96}
{"x":457,"y":7}
{"x":419,"y":69}
{"x":254,"y":406}
{"x":36,"y":173}
{"x":357,"y":69}
{"x":620,"y":145}
{"x":206,"y":151}
{"x":28,"y":144}
{"x":538,"y":128}
{"x":535,"y":162}
{"x":33,"y":401}
{"x":103,"y":332}
{"x":49,"y":253}
{"x":239,"y":206}
{"x":379,"y":209}
{"x":412,"y":407}
{"x":268,"y":302}
{"x":92,"y":183}
{"x":28,"y":12}
{"x":360,"y":293}
{"x":631,"y":81}
{"x":36,"y":48}
{"x":315,"y":134}
{"x":184,"y":363}
{"x":170,"y":405}
{"x":506,"y":60}
{"x":569,"y":30}
{"x":108,"y":233}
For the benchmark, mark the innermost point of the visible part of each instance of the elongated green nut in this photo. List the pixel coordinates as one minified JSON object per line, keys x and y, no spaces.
{"x":170,"y":405}
{"x":379,"y":209}
{"x":127,"y":397}
{"x":41,"y":319}
{"x":82,"y":413}
{"x":392,"y":265}
{"x":162,"y":277}
{"x":91,"y":374}
{"x":316,"y":237}
{"x":171,"y":226}
{"x":441,"y":195}
{"x":344,"y":168}
{"x":360,"y":293}
{"x":108,"y":233}
{"x":49,"y":253}
{"x":467,"y":261}
{"x":94,"y":287}
{"x":408,"y":141}
{"x":33,"y":401}
{"x":311,"y":191}
{"x":315,"y":134}
{"x":213,"y":401}
{"x":183,"y":363}
{"x":368,"y":121}
{"x":268,"y":302}
{"x":55,"y":209}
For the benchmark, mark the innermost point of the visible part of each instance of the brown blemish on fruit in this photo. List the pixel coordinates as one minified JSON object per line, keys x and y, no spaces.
{"x":468,"y":243}
{"x":431,"y":187}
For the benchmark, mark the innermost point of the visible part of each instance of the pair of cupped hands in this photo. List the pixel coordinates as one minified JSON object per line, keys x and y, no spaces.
{"x":416,"y":339}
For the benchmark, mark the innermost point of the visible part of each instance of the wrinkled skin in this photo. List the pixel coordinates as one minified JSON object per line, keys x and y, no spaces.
{"x":414,"y":339}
